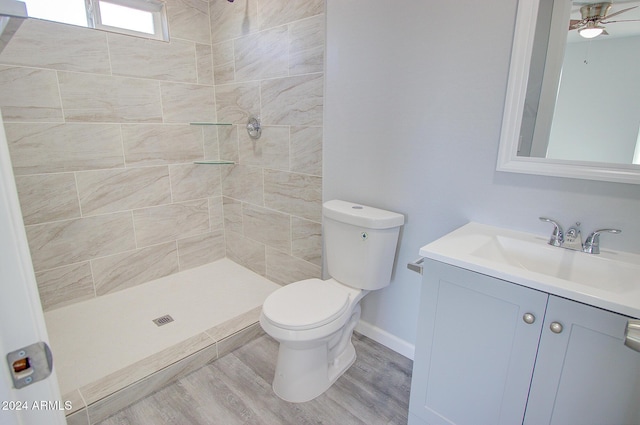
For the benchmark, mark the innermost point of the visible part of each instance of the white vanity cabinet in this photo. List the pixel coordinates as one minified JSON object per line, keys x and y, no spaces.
{"x":486,"y":355}
{"x":584,"y":374}
{"x":474,"y":352}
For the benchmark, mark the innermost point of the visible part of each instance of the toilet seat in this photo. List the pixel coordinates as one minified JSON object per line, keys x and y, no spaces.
{"x":306,"y":304}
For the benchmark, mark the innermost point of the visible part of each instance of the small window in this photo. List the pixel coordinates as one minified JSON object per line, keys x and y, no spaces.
{"x":144,"y":18}
{"x":72,"y":12}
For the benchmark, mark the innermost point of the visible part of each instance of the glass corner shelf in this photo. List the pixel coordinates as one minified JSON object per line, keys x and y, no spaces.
{"x":210,"y":123}
{"x":215,"y":162}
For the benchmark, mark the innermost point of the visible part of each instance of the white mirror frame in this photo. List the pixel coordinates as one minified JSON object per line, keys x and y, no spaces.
{"x":508,"y":160}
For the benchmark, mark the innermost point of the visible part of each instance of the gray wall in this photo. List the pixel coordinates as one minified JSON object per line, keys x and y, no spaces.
{"x":413,"y":109}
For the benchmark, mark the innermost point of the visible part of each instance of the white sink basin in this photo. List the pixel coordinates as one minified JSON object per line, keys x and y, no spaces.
{"x":585,"y":269}
{"x":609,"y":280}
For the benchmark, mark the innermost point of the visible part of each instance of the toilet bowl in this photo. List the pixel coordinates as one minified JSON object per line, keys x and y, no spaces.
{"x":313,"y":319}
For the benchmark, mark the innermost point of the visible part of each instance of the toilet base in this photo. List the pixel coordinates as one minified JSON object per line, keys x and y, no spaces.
{"x":304,"y":374}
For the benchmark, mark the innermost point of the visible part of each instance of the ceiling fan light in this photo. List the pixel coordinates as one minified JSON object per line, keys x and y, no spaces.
{"x":591,"y":31}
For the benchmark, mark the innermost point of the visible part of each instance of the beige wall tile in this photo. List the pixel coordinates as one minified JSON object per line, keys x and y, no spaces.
{"x":185,"y":103}
{"x":29,"y":94}
{"x":269,"y":227}
{"x":72,"y":49}
{"x":293,"y":100}
{"x":285,"y":269}
{"x":105,"y":191}
{"x":306,"y":150}
{"x":278,"y":12}
{"x":202,"y":249}
{"x":204,"y":62}
{"x":65,"y":285}
{"x":216,"y":213}
{"x":230,"y":21}
{"x":228,"y":143}
{"x":222,"y":54}
{"x":48,"y":197}
{"x":306,"y":240}
{"x":121,"y":271}
{"x":246,"y":252}
{"x":262,"y":55}
{"x":194,"y":181}
{"x":224,"y":73}
{"x":159,"y":60}
{"x":235,"y":103}
{"x":54,"y":148}
{"x":295,"y":194}
{"x":169,"y":222}
{"x":96,"y":98}
{"x":189,"y":20}
{"x":244,"y":183}
{"x":232,"y":215}
{"x":306,"y":49}
{"x":151,"y":144}
{"x":223,"y":62}
{"x":211,"y":144}
{"x":72,"y":241}
{"x":271,"y":150}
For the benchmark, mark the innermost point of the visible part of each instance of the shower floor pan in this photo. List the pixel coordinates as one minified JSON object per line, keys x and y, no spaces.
{"x":109,"y":352}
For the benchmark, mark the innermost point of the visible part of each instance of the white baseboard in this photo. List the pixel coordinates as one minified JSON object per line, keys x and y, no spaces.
{"x":383,"y":337}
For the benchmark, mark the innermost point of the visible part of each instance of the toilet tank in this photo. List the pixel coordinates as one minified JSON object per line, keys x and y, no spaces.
{"x":360,"y":243}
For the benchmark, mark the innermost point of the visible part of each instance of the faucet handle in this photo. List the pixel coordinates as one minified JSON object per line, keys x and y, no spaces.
{"x":592,"y":244}
{"x":557,"y":237}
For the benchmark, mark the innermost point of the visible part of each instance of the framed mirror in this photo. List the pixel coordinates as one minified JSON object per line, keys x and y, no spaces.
{"x":571,"y":108}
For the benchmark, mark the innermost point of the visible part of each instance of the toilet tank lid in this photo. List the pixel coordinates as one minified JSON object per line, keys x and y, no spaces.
{"x":361,"y":215}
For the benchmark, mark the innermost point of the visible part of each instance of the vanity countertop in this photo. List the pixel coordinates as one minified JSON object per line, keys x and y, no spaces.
{"x":609,"y":280}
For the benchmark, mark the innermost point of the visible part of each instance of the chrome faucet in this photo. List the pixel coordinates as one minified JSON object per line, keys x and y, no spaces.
{"x":557,"y":237}
{"x":573,"y":238}
{"x":592,"y":244}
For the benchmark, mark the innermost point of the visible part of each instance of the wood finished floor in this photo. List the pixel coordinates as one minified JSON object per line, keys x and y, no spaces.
{"x":236,"y":389}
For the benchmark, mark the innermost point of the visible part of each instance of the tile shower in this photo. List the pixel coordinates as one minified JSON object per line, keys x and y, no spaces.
{"x":98,"y":126}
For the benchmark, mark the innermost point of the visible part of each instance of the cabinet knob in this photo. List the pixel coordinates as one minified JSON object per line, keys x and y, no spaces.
{"x":556,"y":327}
{"x":529,"y":318}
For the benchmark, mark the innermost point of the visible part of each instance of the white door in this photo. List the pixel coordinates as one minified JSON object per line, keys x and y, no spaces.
{"x":21,"y":317}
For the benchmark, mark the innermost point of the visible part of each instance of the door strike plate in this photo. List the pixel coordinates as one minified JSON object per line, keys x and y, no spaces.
{"x":30,"y":364}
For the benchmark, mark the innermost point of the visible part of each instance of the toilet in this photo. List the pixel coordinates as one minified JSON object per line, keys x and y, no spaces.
{"x":313,"y":319}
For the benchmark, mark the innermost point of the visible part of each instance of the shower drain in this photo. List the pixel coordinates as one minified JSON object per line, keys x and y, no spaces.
{"x":163,"y":320}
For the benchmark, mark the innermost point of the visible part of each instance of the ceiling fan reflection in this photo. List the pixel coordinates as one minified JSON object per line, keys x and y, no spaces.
{"x":594,"y":17}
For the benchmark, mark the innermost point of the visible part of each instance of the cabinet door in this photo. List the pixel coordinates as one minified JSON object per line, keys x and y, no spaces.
{"x":584,"y":374}
{"x":474,"y":352}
